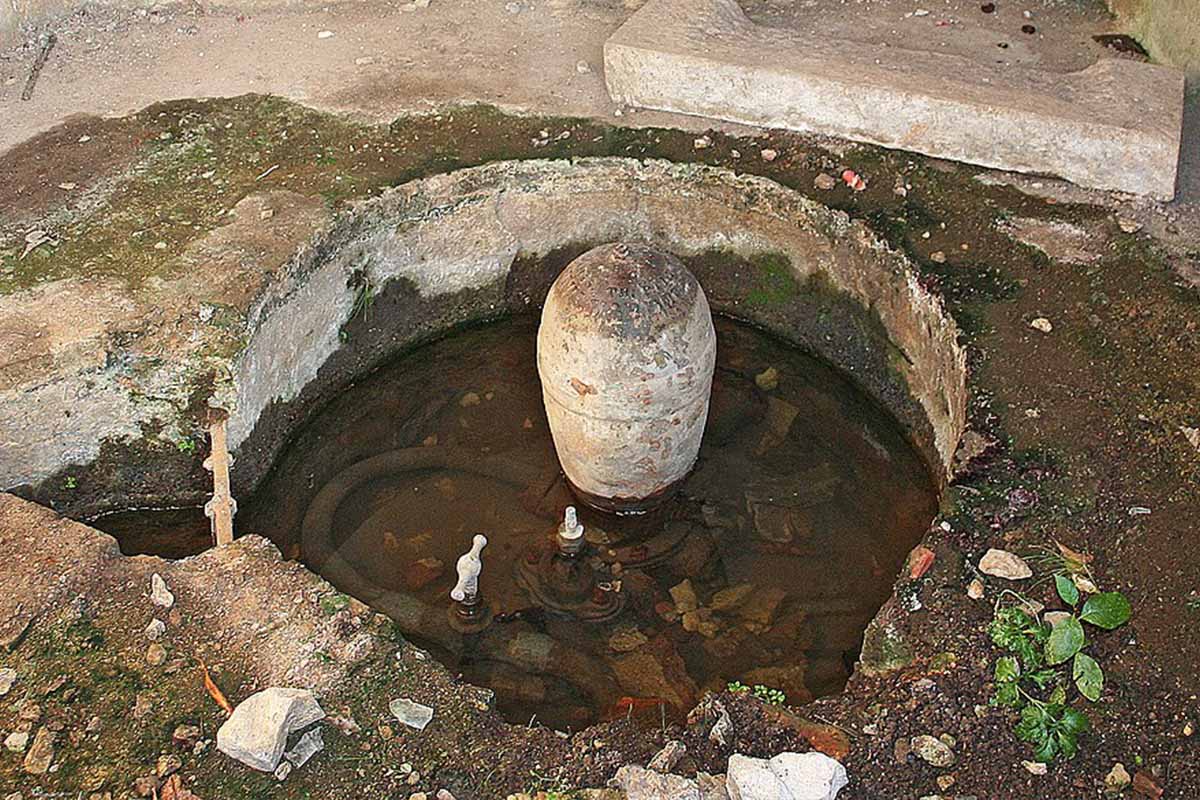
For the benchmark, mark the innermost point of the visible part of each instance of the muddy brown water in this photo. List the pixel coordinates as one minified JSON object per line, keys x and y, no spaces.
{"x":791,"y":529}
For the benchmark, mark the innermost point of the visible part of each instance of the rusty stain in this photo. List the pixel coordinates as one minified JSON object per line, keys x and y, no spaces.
{"x":582,"y":388}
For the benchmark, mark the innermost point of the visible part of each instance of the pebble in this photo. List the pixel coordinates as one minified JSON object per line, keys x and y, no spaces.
{"x":16,"y":741}
{"x":156,"y":654}
{"x":1003,"y":564}
{"x":8,"y":676}
{"x":825,"y":182}
{"x":41,"y":753}
{"x":702,"y":143}
{"x":768,"y":379}
{"x":155,"y":629}
{"x":444,"y":794}
{"x":469,"y":399}
{"x":932,"y":750}
{"x":1042,"y":324}
{"x":412,"y":714}
{"x":975,"y":589}
{"x":684,"y":596}
{"x":583,"y":67}
{"x":283,"y":770}
{"x":160,"y":595}
{"x":185,"y":736}
{"x":1034,"y":767}
{"x":769,"y":155}
{"x":1117,"y":778}
{"x":1129,"y":225}
{"x":325,"y":35}
{"x":937,"y":257}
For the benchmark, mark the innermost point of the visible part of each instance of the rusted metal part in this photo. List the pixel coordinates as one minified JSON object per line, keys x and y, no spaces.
{"x":626,"y":351}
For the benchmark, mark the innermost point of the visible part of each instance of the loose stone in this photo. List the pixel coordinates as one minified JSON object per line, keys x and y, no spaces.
{"x":160,"y":595}
{"x":1117,"y":778}
{"x":8,"y":676}
{"x":645,"y":784}
{"x":256,"y":733}
{"x":1003,"y":564}
{"x":411,"y":713}
{"x":1042,"y":324}
{"x":975,"y":589}
{"x":41,"y":753}
{"x":156,"y":654}
{"x":1034,"y":767}
{"x":16,"y":741}
{"x":801,"y":776}
{"x":768,"y":155}
{"x":825,"y":182}
{"x":932,"y":750}
{"x":155,"y":629}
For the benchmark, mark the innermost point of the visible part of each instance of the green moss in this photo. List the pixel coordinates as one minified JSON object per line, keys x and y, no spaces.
{"x":774,"y":280}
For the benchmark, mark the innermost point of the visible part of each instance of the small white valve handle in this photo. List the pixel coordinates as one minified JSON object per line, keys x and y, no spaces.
{"x":468,"y":567}
{"x":571,"y":528}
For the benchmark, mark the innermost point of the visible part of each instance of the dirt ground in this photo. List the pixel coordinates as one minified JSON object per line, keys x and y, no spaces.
{"x":1085,"y":425}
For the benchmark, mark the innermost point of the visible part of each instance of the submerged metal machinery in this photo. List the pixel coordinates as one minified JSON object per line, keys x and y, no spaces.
{"x":626,"y":350}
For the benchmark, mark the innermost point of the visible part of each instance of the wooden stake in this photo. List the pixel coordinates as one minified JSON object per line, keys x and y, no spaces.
{"x":221,"y":508}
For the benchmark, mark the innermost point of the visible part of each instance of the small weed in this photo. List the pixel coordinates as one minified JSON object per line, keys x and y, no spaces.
{"x":70,"y":482}
{"x":333,"y":603}
{"x":765,"y":693}
{"x":1039,"y":654}
{"x":186,"y":446}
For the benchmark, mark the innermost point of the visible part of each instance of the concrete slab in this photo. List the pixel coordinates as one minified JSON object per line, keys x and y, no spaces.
{"x":1114,"y":125}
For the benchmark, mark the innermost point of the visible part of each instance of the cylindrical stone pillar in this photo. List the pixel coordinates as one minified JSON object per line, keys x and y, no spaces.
{"x":625,"y":352}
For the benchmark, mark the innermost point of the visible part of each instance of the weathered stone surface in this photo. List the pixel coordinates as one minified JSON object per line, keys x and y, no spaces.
{"x":458,"y":234}
{"x":932,"y":750}
{"x":787,"y":776}
{"x":40,"y":753}
{"x":706,"y":57}
{"x":411,"y":713}
{"x":257,"y":731}
{"x":1003,"y":564}
{"x":644,"y":784}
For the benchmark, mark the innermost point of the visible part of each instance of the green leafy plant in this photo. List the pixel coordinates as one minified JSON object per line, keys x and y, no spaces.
{"x":70,"y":482}
{"x":768,"y":695}
{"x":1039,"y":654}
{"x":186,"y":445}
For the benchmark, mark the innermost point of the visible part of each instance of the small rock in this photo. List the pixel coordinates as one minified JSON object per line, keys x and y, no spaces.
{"x":1129,"y":225}
{"x":975,"y":589}
{"x":645,"y":784}
{"x":364,"y":61}
{"x":702,"y":143}
{"x":41,"y":752}
{"x":309,"y":745}
{"x":932,"y":750}
{"x":469,"y":399}
{"x":1146,"y":786}
{"x":1042,"y":324}
{"x":919,"y":561}
{"x":825,"y":182}
{"x":626,"y":640}
{"x":155,"y":629}
{"x":324,"y":34}
{"x":768,"y":155}
{"x":16,"y":741}
{"x":684,"y":596}
{"x":256,"y":733}
{"x":944,"y":782}
{"x":767,"y":380}
{"x":583,"y":67}
{"x":731,"y":597}
{"x":443,"y":794}
{"x":1117,"y":778}
{"x":156,"y":654}
{"x":937,"y":257}
{"x":1034,"y":767}
{"x":145,"y":786}
{"x":185,"y":736}
{"x":8,"y":676}
{"x":800,"y":776}
{"x":666,"y":759}
{"x":160,"y":595}
{"x":412,"y":714}
{"x":283,"y":770}
{"x":167,"y":765}
{"x":1003,"y":564}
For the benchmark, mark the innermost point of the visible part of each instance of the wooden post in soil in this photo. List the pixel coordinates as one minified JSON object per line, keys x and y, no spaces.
{"x":221,"y":508}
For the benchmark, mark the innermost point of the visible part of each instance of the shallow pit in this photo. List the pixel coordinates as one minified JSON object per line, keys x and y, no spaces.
{"x":804,"y":501}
